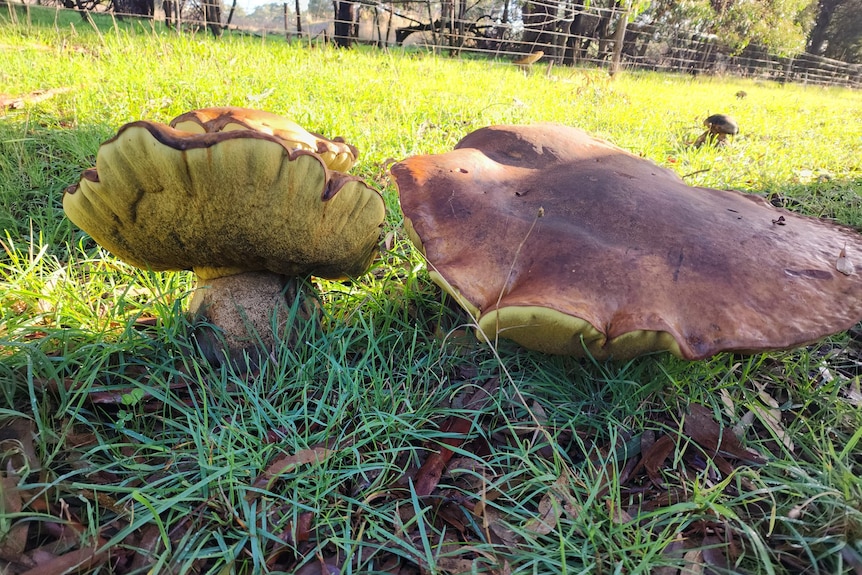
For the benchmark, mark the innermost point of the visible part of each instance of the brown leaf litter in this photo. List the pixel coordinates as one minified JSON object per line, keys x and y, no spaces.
{"x":13,"y":102}
{"x":447,"y":496}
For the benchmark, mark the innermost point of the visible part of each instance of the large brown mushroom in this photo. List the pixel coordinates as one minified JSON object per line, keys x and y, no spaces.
{"x":251,"y":213}
{"x":570,"y":245}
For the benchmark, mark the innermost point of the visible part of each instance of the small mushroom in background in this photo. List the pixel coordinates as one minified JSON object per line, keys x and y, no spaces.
{"x":525,"y":62}
{"x":719,"y":127}
{"x":252,"y":213}
{"x":567,"y":244}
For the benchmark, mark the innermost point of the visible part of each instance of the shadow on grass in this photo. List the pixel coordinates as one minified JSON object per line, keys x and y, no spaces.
{"x":839,"y":200}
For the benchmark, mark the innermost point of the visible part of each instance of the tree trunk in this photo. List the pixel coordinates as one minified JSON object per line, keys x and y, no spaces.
{"x":817,"y":36}
{"x":539,"y":23}
{"x":212,"y":16}
{"x":581,"y":30}
{"x":230,"y":14}
{"x":447,"y":20}
{"x":603,"y":32}
{"x":345,"y":16}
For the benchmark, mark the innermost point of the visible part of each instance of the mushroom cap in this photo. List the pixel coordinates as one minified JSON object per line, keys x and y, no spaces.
{"x":223,"y":203}
{"x":529,"y":59}
{"x":337,"y":154}
{"x":722,"y":124}
{"x":568,"y":244}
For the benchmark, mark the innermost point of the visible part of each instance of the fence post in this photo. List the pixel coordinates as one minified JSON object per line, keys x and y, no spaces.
{"x":298,"y":21}
{"x":286,"y":25}
{"x":13,"y":14}
{"x":619,"y":38}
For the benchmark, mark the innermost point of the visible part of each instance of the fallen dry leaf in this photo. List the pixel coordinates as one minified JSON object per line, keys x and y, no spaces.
{"x":295,"y":534}
{"x":563,"y":491}
{"x":13,"y":541}
{"x":549,"y":514}
{"x":693,"y":562}
{"x":702,"y":427}
{"x":472,"y":399}
{"x":672,"y":549}
{"x":618,"y":515}
{"x":16,"y":445}
{"x":493,"y":518}
{"x":853,"y":393}
{"x":468,"y":473}
{"x":852,"y":558}
{"x":286,"y":464}
{"x":454,"y":565}
{"x":653,"y":459}
{"x":714,"y":553}
{"x":429,"y":474}
{"x":9,"y":102}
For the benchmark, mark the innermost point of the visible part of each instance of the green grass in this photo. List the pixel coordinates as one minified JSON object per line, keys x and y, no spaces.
{"x":111,"y":427}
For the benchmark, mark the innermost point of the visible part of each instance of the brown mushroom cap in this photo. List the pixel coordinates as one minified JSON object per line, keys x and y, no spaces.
{"x":566,"y":244}
{"x":722,"y":124}
{"x":224,"y":203}
{"x":529,"y":59}
{"x":336,"y":154}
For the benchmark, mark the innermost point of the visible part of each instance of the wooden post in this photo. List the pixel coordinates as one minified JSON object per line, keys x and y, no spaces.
{"x":620,"y":38}
{"x":433,"y":28}
{"x":788,"y":70}
{"x":13,"y":15}
{"x":298,"y":21}
{"x":379,"y":40}
{"x":388,"y":28}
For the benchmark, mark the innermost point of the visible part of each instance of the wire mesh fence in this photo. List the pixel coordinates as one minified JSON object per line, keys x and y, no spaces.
{"x":553,"y":32}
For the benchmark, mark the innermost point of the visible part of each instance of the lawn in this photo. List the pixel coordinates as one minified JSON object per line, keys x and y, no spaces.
{"x":388,"y":439}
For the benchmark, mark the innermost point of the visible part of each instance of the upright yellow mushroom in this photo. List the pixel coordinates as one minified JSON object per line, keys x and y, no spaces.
{"x":248,"y":211}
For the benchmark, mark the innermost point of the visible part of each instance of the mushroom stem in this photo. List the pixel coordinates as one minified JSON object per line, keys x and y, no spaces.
{"x":241,"y":318}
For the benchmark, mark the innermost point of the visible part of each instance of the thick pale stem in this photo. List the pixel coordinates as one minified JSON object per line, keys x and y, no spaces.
{"x":241,"y":318}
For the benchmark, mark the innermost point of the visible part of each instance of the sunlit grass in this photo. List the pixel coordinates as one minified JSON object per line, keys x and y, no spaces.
{"x":146,"y":445}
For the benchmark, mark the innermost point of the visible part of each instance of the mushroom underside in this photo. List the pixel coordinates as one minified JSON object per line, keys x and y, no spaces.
{"x":570,"y":245}
{"x":248,"y":213}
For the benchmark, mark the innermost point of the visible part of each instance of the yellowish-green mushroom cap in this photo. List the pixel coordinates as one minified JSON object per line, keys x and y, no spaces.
{"x":224,"y":203}
{"x":335,"y":153}
{"x":567,"y":244}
